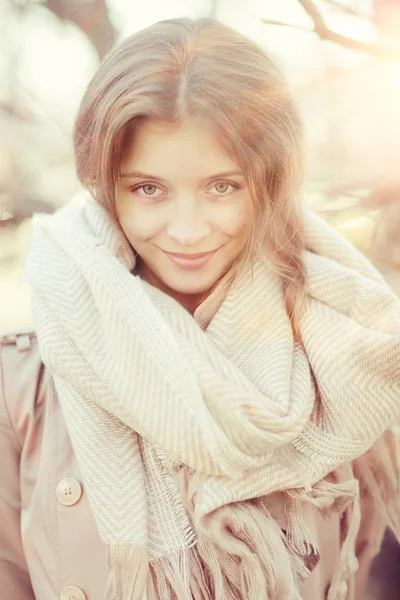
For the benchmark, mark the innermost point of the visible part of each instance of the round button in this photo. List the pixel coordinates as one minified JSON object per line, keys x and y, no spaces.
{"x":69,"y":492}
{"x":72,"y":593}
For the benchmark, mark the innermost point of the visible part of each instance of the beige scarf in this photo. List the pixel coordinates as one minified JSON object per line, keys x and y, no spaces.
{"x":199,"y":449}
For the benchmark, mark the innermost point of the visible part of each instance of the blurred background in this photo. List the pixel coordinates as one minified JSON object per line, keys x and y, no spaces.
{"x":342,"y":58}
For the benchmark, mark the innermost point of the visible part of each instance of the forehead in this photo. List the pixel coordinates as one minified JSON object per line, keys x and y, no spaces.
{"x":189,"y":148}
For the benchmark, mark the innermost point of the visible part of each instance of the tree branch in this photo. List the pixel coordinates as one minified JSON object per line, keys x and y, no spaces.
{"x":347,"y":9}
{"x":283,"y":24}
{"x":91,"y":17}
{"x":375,"y":50}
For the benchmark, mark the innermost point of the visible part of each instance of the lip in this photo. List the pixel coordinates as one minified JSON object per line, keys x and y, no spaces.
{"x":190,"y":261}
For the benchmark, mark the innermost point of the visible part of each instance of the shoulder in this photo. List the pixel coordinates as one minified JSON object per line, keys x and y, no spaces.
{"x":16,"y":337}
{"x":23,"y":380}
{"x":18,"y":350}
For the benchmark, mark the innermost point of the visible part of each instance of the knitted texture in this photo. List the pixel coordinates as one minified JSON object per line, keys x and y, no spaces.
{"x":179,"y":431}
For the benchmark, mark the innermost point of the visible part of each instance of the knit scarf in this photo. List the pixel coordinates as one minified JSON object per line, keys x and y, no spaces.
{"x":201,"y":446}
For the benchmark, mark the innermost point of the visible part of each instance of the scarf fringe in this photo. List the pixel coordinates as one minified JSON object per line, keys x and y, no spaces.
{"x":231,"y":561}
{"x":236,"y":545}
{"x":232,"y":557}
{"x":238,"y":567}
{"x":127,"y":567}
{"x":378,"y":472}
{"x":170,"y":576}
{"x":328,"y":496}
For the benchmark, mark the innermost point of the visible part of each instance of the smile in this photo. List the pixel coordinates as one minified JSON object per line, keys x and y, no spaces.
{"x":190,"y":261}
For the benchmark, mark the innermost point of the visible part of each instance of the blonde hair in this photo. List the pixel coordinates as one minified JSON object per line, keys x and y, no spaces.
{"x":202,"y":69}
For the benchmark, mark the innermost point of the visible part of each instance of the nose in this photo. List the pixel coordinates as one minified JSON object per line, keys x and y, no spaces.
{"x":188,"y":226}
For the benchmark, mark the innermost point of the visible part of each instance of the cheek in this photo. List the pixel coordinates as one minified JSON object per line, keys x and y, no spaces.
{"x":139,"y":225}
{"x":238,"y":222}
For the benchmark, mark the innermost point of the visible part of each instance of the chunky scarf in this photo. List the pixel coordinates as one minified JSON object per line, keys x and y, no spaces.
{"x":201,"y":446}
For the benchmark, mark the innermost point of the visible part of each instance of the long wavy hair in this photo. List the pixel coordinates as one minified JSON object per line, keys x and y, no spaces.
{"x":203,"y":69}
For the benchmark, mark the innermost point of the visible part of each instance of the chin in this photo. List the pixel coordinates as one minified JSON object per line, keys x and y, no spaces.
{"x":193,"y":283}
{"x":189,"y":289}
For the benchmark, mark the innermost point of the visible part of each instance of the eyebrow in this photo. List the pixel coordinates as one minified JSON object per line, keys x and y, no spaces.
{"x":142,"y":175}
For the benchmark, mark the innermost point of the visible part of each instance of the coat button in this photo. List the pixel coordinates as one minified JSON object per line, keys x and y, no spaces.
{"x":69,"y":492}
{"x":72,"y":593}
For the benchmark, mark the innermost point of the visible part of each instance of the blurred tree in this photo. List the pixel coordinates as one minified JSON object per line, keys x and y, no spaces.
{"x":380,"y":50}
{"x":91,"y":16}
{"x":385,"y":195}
{"x":21,"y":191}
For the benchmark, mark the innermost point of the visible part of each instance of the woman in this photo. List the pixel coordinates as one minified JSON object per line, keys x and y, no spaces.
{"x":220,"y":367}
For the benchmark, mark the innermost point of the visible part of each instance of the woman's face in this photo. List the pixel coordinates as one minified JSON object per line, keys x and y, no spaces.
{"x":183,"y":204}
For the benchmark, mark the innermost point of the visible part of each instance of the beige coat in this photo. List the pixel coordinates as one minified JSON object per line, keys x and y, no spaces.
{"x":49,"y":544}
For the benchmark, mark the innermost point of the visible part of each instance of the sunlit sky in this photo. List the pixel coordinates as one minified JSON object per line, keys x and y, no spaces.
{"x":55,"y":61}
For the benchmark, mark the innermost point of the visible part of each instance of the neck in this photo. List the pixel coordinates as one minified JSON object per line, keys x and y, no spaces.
{"x":189,"y":301}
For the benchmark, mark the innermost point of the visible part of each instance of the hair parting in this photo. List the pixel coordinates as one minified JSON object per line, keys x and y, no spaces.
{"x":183,"y":69}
